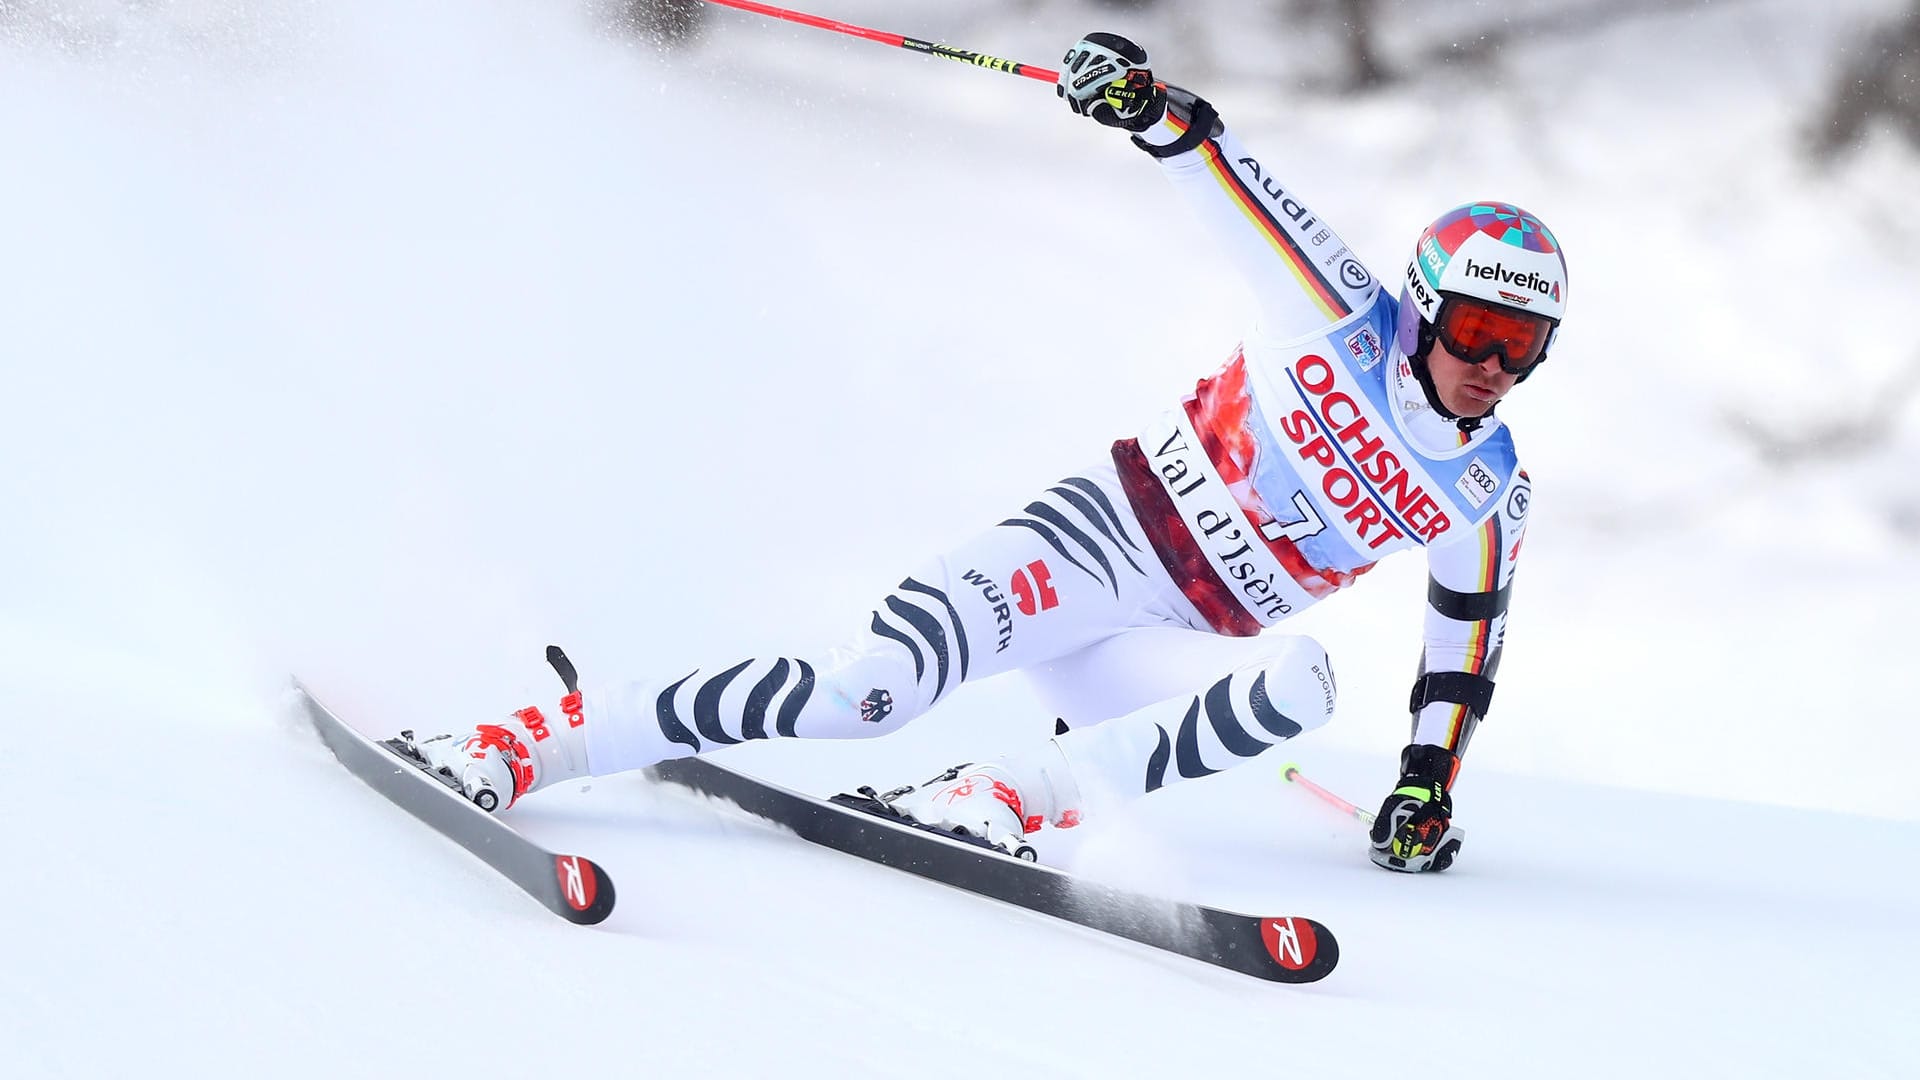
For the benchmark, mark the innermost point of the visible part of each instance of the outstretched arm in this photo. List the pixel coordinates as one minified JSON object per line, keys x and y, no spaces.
{"x":1302,"y":274}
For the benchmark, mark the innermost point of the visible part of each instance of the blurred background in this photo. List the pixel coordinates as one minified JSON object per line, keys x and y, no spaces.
{"x":385,"y":343}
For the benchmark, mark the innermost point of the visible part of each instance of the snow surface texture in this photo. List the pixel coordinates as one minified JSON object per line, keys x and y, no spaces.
{"x":387,"y":343}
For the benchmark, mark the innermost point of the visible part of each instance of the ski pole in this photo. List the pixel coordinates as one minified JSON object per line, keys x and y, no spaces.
{"x":991,"y":63}
{"x":1294,"y":776}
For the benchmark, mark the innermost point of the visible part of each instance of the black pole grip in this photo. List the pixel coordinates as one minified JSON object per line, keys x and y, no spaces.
{"x":564,"y":668}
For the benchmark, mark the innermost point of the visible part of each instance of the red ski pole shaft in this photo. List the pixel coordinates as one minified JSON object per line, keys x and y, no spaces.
{"x":1294,"y":776}
{"x":991,"y":63}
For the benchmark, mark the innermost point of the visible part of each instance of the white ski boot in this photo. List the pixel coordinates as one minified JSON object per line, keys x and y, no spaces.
{"x":495,"y":764}
{"x":999,"y":803}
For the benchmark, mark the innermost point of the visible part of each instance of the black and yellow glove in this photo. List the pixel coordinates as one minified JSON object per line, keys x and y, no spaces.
{"x":1414,"y":829}
{"x":1105,"y":76}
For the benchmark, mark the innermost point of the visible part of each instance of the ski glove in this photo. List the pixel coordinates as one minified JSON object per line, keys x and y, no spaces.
{"x":1414,"y":829}
{"x":1105,"y":76}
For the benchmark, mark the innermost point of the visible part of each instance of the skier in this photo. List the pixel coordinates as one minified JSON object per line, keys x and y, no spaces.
{"x":1348,"y":425}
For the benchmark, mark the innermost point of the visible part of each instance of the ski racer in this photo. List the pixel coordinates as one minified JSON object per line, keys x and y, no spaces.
{"x":1349,"y":424}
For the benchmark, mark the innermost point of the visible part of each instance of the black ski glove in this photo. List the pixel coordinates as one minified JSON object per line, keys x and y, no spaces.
{"x":1414,"y":829}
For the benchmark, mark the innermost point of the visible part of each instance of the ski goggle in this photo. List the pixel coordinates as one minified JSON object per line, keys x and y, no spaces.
{"x":1473,"y":330}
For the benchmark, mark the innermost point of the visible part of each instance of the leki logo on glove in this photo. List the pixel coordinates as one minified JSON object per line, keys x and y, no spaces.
{"x":1034,"y":594}
{"x":1291,"y":944}
{"x":576,"y":882}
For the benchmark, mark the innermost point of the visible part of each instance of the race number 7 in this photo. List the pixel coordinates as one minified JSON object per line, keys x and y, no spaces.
{"x":1309,"y":523}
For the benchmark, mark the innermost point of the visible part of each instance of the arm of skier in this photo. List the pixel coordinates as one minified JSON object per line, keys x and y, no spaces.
{"x":1302,"y":274}
{"x":1470,"y":579}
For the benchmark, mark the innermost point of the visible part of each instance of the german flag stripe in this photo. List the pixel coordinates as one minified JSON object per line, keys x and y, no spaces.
{"x":1480,"y":647}
{"x":1253,"y":205}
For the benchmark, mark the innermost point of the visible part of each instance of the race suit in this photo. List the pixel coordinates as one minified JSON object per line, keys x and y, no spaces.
{"x":1284,"y":477}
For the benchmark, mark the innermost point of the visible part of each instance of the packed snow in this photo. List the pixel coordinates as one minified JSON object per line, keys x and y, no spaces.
{"x":386,"y":343}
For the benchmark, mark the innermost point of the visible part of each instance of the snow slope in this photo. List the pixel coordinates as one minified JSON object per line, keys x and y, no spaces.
{"x":274,"y":918}
{"x":388,"y":343}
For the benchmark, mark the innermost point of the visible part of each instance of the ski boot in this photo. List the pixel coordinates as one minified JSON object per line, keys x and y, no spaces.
{"x":495,"y":764}
{"x":998,"y":804}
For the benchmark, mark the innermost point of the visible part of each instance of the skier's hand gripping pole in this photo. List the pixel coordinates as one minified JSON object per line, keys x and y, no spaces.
{"x":1398,"y":807}
{"x":1105,"y":76}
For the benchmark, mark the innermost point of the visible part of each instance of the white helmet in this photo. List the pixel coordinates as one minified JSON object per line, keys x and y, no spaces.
{"x":1488,"y":278}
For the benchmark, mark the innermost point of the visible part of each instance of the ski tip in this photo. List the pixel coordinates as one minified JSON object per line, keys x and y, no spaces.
{"x":1302,"y":950}
{"x":586,"y":892}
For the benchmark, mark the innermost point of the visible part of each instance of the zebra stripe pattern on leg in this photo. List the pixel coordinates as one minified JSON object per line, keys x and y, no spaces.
{"x":1078,"y":521}
{"x":709,"y":729}
{"x":1227,"y":715}
{"x":924,"y":628}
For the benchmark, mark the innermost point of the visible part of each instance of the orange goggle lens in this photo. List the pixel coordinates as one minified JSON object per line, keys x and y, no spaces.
{"x":1474,"y":330}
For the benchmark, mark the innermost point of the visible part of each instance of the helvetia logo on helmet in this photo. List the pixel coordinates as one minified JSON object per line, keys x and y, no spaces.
{"x":1529,"y":280}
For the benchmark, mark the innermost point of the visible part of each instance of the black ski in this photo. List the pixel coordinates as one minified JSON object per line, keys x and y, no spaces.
{"x":1289,"y":949}
{"x":573,"y":887}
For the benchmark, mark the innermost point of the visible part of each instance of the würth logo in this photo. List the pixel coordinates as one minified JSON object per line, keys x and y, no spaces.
{"x":1033,"y":588}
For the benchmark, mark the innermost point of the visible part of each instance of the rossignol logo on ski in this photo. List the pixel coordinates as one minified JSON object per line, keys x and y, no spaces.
{"x":576,"y":882}
{"x":1291,"y":944}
